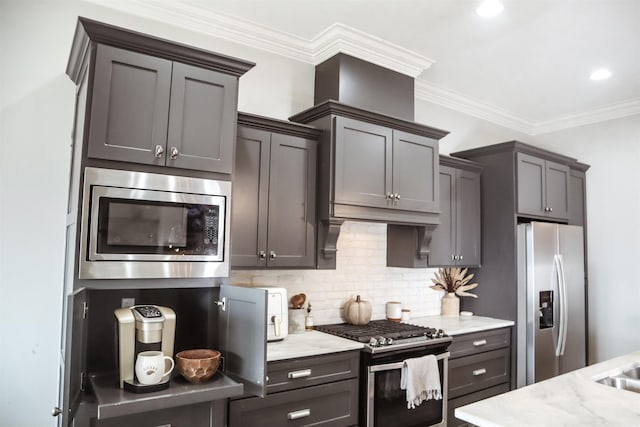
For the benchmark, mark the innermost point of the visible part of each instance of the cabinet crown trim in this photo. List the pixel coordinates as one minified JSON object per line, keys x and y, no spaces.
{"x":280,"y":126}
{"x":88,"y":30}
{"x":337,"y":108}
{"x":521,"y":147}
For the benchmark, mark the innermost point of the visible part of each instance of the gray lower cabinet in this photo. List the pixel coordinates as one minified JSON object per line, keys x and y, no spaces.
{"x":273,"y":204}
{"x":155,"y":111}
{"x":456,"y":241}
{"x":317,"y":390}
{"x":479,"y":367}
{"x":543,"y":187}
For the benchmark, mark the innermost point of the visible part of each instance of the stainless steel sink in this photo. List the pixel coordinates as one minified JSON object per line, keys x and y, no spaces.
{"x":627,"y":378}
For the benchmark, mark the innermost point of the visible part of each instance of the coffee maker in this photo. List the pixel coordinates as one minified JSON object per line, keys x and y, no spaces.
{"x":142,"y":328}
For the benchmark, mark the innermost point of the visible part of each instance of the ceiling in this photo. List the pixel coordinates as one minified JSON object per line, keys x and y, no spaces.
{"x":526,"y":69}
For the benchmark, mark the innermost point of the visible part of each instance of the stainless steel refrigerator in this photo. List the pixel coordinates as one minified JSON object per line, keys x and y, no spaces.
{"x":551,"y":301}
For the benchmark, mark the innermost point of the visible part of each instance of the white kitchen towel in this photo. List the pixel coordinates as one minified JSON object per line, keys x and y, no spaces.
{"x":420,"y":377}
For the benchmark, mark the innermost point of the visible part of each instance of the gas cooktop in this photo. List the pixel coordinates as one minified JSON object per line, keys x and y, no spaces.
{"x":385,"y":335}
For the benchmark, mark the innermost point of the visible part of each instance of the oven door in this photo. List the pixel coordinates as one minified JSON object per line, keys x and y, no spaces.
{"x":387,"y":403}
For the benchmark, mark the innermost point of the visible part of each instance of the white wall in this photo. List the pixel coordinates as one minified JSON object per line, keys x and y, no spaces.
{"x":35,"y":125}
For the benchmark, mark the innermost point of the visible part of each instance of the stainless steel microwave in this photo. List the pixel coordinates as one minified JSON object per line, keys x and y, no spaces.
{"x":142,"y":225}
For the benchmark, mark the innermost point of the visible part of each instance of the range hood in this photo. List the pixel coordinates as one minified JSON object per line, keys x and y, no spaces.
{"x":374,"y":162}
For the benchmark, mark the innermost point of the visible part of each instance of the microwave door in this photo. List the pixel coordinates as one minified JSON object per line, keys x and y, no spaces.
{"x":143,"y":225}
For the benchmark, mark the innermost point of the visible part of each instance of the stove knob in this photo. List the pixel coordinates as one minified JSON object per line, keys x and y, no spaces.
{"x":389,"y":341}
{"x":373,"y":342}
{"x":382,"y":341}
{"x":440,"y":333}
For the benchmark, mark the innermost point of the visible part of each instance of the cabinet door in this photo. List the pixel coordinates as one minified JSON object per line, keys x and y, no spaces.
{"x":363,"y":162}
{"x":130,"y":106}
{"x":249,"y":205}
{"x":291,"y":224}
{"x":443,"y":240}
{"x":415,"y":168}
{"x":242,"y":331}
{"x":202,"y":119}
{"x":557,"y":189}
{"x":468,"y":218}
{"x":531,"y":184}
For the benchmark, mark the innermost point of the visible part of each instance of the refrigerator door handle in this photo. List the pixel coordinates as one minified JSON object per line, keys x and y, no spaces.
{"x":562,"y":288}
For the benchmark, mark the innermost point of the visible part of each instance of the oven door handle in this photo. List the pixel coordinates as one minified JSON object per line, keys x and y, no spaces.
{"x":398,"y":365}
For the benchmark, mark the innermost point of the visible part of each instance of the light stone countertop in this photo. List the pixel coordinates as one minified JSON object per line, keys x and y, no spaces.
{"x":308,"y":343}
{"x":456,"y":325}
{"x":572,"y":399}
{"x":313,"y":343}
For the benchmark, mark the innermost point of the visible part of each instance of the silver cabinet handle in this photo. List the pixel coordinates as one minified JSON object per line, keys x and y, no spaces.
{"x":390,"y":196}
{"x":262,"y":255}
{"x":397,"y":197}
{"x":460,"y":257}
{"x":299,"y":374}
{"x":159,"y":151}
{"x":174,"y":153}
{"x":56,"y":411}
{"x":453,"y":257}
{"x":299,"y":414}
{"x":479,"y":343}
{"x":481,"y":371}
{"x":272,"y":255}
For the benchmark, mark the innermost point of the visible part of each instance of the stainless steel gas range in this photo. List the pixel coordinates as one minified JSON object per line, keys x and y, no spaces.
{"x":387,"y":345}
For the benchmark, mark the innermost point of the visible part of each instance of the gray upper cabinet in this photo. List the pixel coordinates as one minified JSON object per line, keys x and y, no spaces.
{"x":384,"y":168}
{"x":273,"y":205}
{"x":543,"y":187}
{"x":456,"y":241}
{"x":154,"y":111}
{"x":374,"y":167}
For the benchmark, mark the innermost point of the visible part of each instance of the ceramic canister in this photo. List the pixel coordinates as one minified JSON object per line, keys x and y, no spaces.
{"x":394,"y":311}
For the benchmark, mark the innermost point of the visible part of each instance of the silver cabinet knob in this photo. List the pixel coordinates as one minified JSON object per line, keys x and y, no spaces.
{"x":272,"y":255}
{"x":389,"y":196}
{"x":460,"y":257}
{"x":262,"y":255}
{"x":56,"y":411}
{"x":174,"y":153}
{"x":159,"y":151}
{"x":397,"y":197}
{"x":550,"y":209}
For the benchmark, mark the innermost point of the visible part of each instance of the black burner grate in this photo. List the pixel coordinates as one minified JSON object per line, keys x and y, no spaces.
{"x":376,"y":328}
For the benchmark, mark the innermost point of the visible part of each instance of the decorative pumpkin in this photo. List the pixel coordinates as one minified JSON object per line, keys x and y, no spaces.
{"x":357,"y":311}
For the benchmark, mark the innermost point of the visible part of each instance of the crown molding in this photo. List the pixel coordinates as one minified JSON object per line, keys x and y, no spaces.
{"x":334,"y":39}
{"x":431,"y":93}
{"x":342,"y":38}
{"x":607,"y":112}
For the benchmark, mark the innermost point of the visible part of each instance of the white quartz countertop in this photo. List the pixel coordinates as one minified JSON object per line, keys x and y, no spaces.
{"x":313,"y":343}
{"x":308,"y":343}
{"x":572,"y":399}
{"x":457,"y":325}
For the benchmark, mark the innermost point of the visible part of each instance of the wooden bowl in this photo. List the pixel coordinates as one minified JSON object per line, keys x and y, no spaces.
{"x":197,"y":365}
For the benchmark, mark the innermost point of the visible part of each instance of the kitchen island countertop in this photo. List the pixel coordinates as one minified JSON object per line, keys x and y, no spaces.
{"x":570,"y":399}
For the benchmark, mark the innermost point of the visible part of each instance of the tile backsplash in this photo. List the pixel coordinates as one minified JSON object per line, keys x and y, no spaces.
{"x":360,"y":270}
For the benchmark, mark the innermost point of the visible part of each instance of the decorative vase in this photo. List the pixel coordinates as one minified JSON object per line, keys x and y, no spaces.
{"x":450,"y":305}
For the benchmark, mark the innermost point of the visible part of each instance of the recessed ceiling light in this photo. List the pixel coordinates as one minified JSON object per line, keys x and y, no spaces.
{"x":600,"y":74}
{"x":489,"y":8}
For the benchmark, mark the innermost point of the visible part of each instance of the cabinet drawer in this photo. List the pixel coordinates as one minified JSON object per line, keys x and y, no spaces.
{"x":479,"y":371}
{"x":334,"y":404}
{"x":304,"y":372}
{"x":464,"y":345}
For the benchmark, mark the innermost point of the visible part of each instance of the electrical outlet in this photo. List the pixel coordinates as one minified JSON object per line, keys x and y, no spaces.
{"x":127,"y":302}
